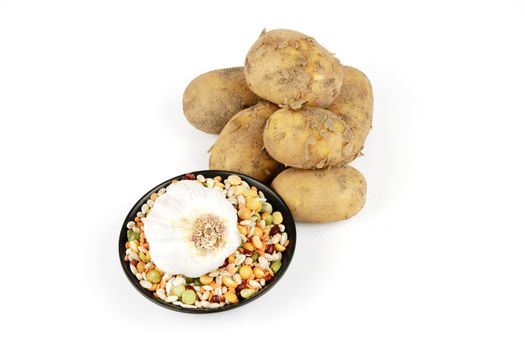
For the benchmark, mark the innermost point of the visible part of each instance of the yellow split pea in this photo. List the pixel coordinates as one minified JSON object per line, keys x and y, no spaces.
{"x":245,"y":272}
{"x":254,"y":204}
{"x":231,"y":297}
{"x":277,"y":218}
{"x":206,"y":279}
{"x":245,"y":213}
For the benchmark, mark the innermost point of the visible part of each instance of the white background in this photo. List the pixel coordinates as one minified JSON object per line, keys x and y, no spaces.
{"x":91,"y":118}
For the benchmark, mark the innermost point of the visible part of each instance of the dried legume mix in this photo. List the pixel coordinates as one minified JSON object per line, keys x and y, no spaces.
{"x":243,"y":274}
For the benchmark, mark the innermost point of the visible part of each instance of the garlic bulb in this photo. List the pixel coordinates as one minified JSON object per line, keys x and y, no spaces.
{"x":191,"y":229}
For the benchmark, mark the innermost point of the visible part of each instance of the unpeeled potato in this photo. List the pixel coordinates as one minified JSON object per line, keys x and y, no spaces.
{"x":240,"y":145}
{"x":322,"y":195}
{"x":292,"y":70}
{"x":355,"y":105}
{"x":308,"y":138}
{"x":213,"y":98}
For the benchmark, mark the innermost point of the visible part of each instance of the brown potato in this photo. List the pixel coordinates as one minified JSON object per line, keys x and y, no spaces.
{"x":308,"y":138}
{"x":291,"y":69}
{"x":322,"y":195}
{"x":355,"y":105}
{"x":213,"y":98}
{"x":240,"y":146}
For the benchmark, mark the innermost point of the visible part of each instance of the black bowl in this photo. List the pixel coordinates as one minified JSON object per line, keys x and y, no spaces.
{"x":272,"y":197}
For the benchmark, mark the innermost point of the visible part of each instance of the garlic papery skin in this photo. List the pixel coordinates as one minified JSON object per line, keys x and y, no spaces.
{"x":191,"y":229}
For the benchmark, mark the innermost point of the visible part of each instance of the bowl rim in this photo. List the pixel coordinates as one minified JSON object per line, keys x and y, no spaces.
{"x":288,"y":220}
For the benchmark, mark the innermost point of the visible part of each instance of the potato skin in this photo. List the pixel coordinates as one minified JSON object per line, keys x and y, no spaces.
{"x":213,"y":98}
{"x":308,"y":138}
{"x":322,"y":195}
{"x":291,"y":69}
{"x":240,"y":146}
{"x":355,"y":105}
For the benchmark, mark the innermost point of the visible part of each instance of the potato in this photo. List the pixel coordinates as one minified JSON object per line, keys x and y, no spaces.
{"x":213,"y":98}
{"x":240,"y":146}
{"x":291,"y":69}
{"x":355,"y":105}
{"x":308,"y":138}
{"x":322,"y":195}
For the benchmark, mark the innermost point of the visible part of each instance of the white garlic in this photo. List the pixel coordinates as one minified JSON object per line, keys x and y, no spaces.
{"x":191,"y":229}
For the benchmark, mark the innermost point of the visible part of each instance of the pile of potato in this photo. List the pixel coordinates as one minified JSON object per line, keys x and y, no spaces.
{"x":293,"y":114}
